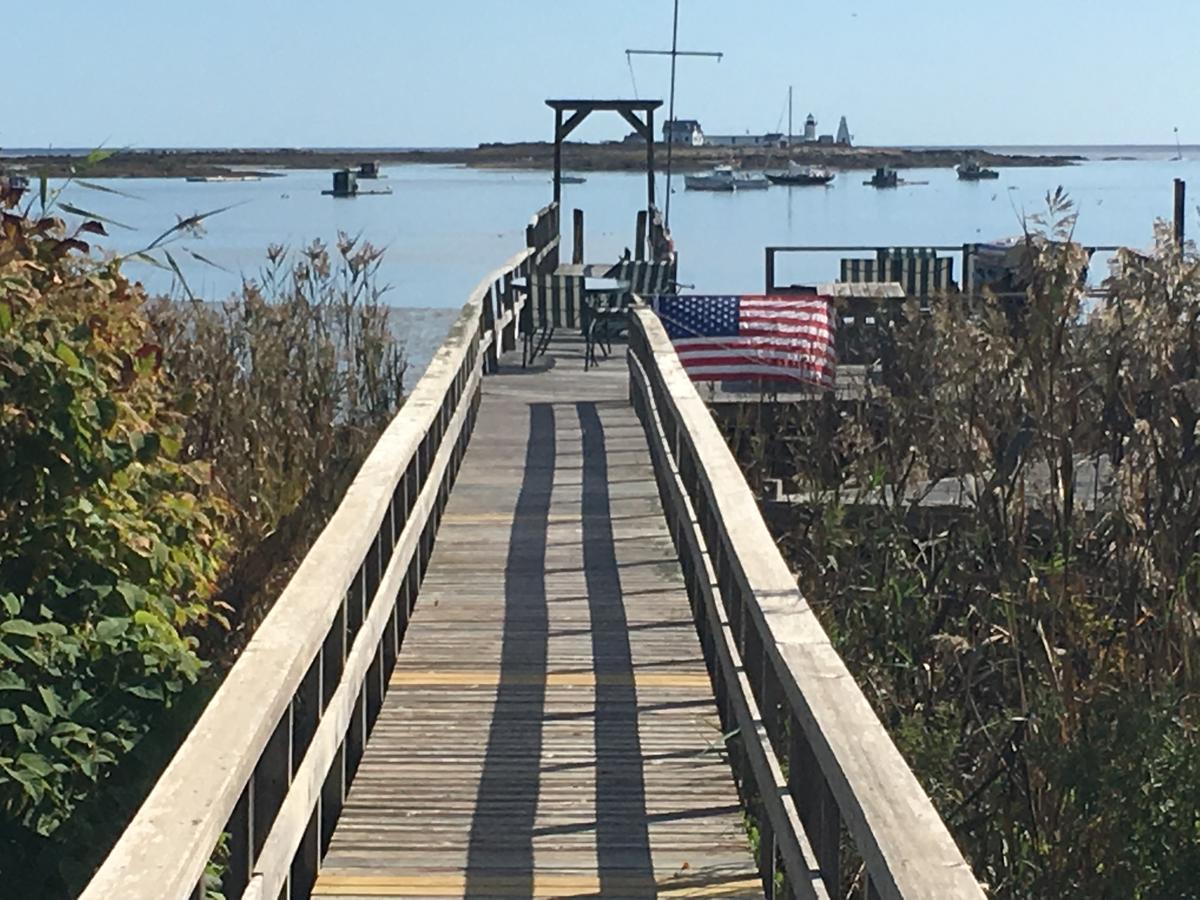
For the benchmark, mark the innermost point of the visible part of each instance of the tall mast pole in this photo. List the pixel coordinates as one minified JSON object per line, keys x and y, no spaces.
{"x":674,"y":53}
{"x":790,"y":132}
{"x":671,"y":112}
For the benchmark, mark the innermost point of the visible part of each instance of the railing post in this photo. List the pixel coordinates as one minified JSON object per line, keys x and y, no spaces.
{"x":241,"y":850}
{"x":639,"y":240}
{"x":508,"y":335}
{"x":577,"y":242}
{"x":333,"y":795}
{"x":814,"y":804}
{"x":307,"y":861}
{"x":1180,"y":211}
{"x":967,"y":253}
{"x":271,"y":778}
{"x":766,"y":856}
{"x":487,"y":325}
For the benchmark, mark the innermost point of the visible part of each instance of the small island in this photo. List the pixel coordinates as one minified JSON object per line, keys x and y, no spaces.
{"x":538,"y":156}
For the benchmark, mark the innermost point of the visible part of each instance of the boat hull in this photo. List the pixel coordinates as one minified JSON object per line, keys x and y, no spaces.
{"x":704,"y":183}
{"x":800,"y":180}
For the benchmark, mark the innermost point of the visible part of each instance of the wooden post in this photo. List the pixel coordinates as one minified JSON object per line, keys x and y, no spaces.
{"x":640,"y":236}
{"x":271,"y":778}
{"x":308,"y":857}
{"x":488,"y":326}
{"x":967,"y":253}
{"x":577,"y":246}
{"x":770,"y":269}
{"x":558,"y":139}
{"x":649,"y":159}
{"x":240,"y":864}
{"x":1180,"y":210}
{"x":508,"y":337}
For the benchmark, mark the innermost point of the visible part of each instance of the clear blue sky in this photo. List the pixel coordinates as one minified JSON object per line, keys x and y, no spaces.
{"x":458,"y":72}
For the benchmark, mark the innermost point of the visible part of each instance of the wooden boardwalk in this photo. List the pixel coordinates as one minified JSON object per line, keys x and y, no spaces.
{"x":551,"y":730}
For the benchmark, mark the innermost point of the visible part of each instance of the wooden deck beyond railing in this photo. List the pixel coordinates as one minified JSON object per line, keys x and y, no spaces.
{"x":270,"y":761}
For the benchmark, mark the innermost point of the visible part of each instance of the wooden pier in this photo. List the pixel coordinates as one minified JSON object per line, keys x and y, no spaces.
{"x":545,"y":647}
{"x":558,"y":727}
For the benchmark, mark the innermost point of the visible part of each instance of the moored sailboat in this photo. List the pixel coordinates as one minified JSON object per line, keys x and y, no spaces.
{"x":801,"y":175}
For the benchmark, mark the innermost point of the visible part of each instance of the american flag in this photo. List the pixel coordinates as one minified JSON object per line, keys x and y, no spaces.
{"x":749,"y":337}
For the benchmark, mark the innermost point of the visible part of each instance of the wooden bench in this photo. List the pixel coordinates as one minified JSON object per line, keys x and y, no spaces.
{"x":921,"y":272}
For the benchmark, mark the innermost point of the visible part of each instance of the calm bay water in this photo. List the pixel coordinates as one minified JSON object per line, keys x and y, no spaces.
{"x":445,"y":227}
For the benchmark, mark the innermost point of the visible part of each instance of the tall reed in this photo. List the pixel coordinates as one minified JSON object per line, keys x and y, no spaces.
{"x":1032,"y":642}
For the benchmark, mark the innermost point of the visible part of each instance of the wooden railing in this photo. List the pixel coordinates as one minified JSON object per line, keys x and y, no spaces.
{"x":810,"y":756}
{"x":266,"y":768}
{"x":542,"y":235}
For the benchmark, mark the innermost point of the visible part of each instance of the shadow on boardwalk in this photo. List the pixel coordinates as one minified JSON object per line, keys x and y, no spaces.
{"x":503,"y":825}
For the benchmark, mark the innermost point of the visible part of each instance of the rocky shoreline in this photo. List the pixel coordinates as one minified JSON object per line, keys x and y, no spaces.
{"x":612,"y":157}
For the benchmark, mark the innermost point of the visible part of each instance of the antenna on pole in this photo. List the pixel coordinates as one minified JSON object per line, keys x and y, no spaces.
{"x":674,"y":53}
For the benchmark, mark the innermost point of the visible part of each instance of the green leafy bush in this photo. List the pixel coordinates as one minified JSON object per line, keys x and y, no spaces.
{"x":110,"y":544}
{"x":163,"y":466}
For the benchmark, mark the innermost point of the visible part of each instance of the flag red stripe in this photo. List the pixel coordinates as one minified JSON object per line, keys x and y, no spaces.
{"x":782,"y":315}
{"x":790,"y":338}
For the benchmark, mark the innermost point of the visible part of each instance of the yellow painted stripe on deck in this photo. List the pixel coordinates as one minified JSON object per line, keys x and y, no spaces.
{"x":342,"y":884}
{"x":549,"y":679}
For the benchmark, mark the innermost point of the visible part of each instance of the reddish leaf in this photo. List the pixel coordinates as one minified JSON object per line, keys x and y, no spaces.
{"x":151,"y":350}
{"x":62,"y":248}
{"x":93,"y":227}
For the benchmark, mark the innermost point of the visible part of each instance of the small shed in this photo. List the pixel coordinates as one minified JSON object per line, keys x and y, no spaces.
{"x":345,"y":183}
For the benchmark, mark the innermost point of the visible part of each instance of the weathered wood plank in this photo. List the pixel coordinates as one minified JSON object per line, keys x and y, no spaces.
{"x":550,"y":729}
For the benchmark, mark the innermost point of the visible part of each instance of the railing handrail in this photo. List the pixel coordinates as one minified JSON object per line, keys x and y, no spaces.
{"x":164,"y":850}
{"x":788,"y":659}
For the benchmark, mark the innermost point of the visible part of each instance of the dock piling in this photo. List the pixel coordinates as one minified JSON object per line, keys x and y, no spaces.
{"x":1180,"y":210}
{"x":577,"y":245}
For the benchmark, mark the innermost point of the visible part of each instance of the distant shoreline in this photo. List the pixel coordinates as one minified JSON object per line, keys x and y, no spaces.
{"x":613,"y":157}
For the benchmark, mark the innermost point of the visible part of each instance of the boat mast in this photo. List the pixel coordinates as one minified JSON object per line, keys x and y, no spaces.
{"x":789,"y":121}
{"x":671,"y":112}
{"x":674,"y":53}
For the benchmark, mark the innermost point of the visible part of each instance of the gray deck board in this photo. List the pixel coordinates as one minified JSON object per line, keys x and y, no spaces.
{"x":550,"y":730}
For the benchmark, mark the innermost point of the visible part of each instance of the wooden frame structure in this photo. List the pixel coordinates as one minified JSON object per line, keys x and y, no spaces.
{"x":579,"y":110}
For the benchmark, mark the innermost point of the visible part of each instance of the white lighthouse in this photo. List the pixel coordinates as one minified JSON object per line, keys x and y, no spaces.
{"x":810,"y":128}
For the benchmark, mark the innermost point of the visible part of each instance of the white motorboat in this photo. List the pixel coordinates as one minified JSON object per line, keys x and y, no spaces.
{"x":726,"y":178}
